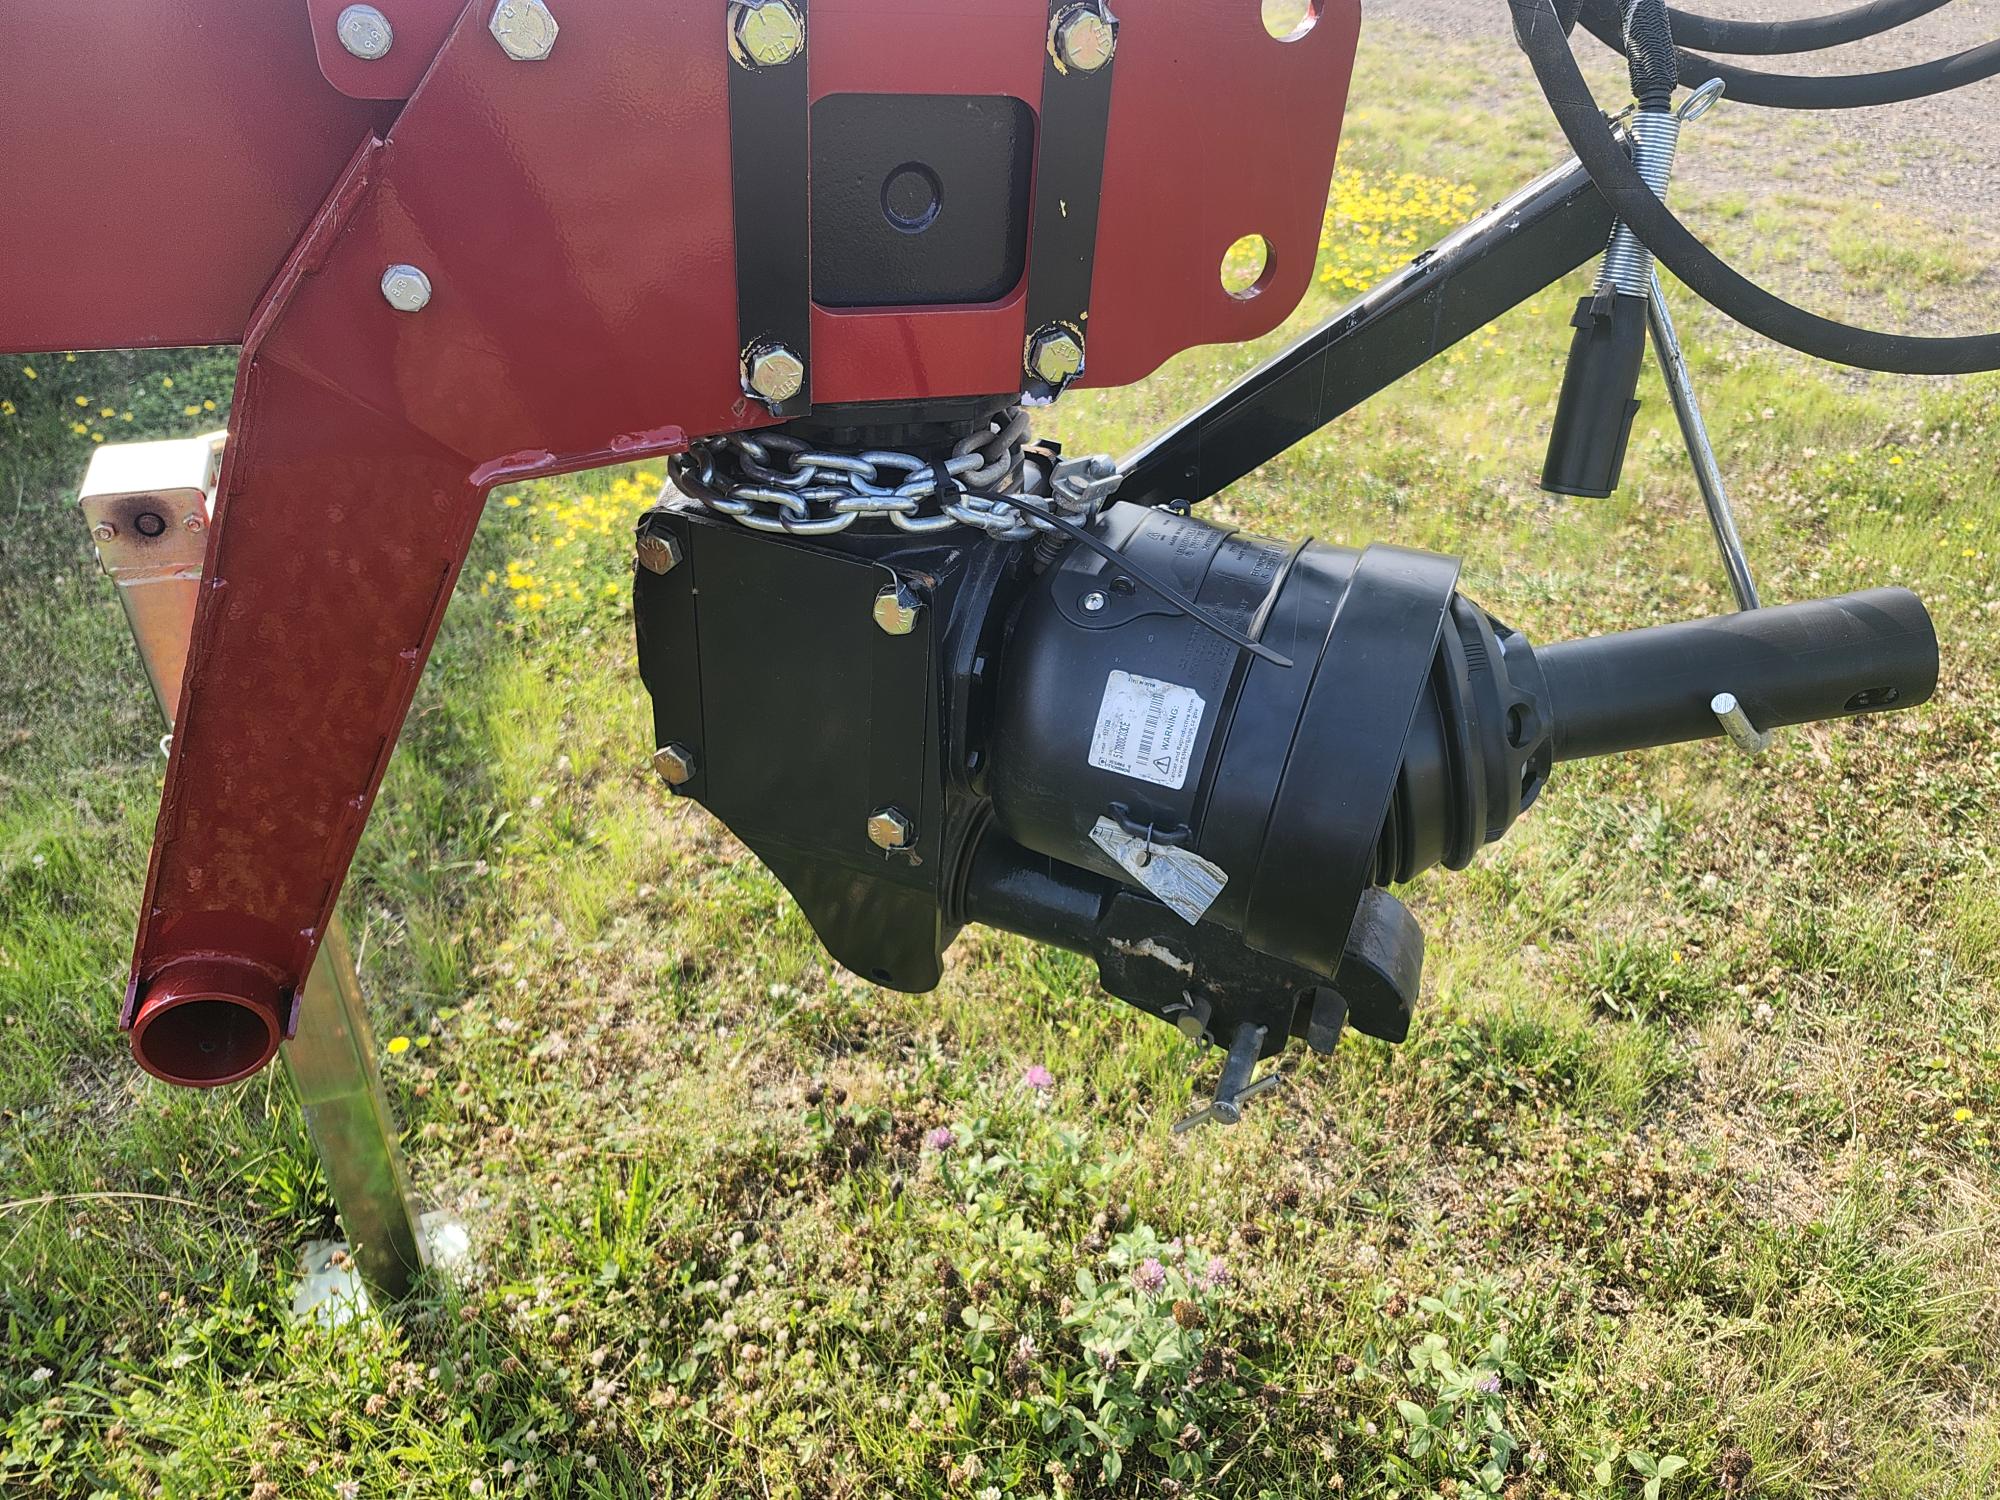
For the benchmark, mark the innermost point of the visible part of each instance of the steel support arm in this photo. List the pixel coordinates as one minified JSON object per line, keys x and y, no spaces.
{"x":1497,"y":260}
{"x":147,"y":506}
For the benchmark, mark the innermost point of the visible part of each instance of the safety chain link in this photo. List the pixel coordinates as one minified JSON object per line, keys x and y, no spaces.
{"x":772,"y":481}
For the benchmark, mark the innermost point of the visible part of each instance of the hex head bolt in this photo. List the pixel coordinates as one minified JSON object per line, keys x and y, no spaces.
{"x":365,"y":32}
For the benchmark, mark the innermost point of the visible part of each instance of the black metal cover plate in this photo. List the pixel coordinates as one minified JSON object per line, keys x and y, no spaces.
{"x":919,"y":199}
{"x":763,"y":657}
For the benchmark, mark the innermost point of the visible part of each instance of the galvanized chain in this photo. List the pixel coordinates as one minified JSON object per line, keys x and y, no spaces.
{"x":774,"y":482}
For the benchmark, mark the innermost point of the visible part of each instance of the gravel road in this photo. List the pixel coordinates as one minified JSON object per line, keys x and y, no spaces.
{"x":1945,"y":151}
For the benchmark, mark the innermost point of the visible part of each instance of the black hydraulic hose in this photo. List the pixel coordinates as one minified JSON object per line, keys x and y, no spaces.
{"x":1797,"y":91}
{"x":1785,"y":664}
{"x":1807,"y":34}
{"x":1539,"y":30}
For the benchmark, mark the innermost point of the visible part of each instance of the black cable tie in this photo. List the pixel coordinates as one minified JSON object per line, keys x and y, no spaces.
{"x":1111,"y":554}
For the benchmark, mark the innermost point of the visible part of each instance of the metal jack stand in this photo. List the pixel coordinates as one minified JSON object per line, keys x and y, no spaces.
{"x":148,"y":508}
{"x":1694,"y":433}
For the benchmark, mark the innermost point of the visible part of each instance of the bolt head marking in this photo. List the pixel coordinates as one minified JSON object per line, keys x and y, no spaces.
{"x":775,"y":373}
{"x":1055,"y":355}
{"x":890,"y":828}
{"x":1084,"y":39}
{"x":365,"y":31}
{"x":406,"y":288}
{"x":768,"y":33}
{"x":525,"y":29}
{"x":675,"y":763}
{"x":658,"y":554}
{"x":897,"y":608}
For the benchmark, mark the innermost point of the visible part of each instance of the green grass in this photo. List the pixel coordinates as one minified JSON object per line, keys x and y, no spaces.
{"x":1691,"y":1152}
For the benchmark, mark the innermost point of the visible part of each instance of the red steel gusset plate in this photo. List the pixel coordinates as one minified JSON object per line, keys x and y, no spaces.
{"x":159,"y":158}
{"x":573,"y":216}
{"x":417,"y":28}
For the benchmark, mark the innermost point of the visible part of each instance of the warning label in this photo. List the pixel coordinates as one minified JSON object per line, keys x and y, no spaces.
{"x":1146,"y":729}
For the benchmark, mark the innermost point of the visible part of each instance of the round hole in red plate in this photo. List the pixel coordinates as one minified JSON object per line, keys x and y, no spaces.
{"x":1288,"y":20}
{"x":1246,"y":267}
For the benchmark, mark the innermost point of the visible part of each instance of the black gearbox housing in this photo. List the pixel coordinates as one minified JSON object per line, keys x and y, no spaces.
{"x":1408,"y":730}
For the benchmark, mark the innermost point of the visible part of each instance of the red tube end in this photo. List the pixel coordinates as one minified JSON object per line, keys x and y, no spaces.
{"x":204,"y":1024}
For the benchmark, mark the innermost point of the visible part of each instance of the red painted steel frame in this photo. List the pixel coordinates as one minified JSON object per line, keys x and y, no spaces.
{"x":573,"y":216}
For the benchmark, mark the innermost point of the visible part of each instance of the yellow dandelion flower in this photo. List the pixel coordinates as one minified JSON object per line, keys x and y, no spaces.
{"x":1961,"y":1114}
{"x":29,"y":371}
{"x":208,"y":406}
{"x":79,"y":428}
{"x":83,"y":400}
{"x":6,"y":408}
{"x":397,"y":1046}
{"x":166,"y":382}
{"x":105,"y":411}
{"x":190,"y":411}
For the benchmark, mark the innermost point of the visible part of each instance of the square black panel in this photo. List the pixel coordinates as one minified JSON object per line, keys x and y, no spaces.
{"x":919,"y":199}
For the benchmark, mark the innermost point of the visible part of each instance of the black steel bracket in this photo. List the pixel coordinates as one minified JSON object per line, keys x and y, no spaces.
{"x":1069,"y":175}
{"x":1485,"y":267}
{"x":770,"y":158}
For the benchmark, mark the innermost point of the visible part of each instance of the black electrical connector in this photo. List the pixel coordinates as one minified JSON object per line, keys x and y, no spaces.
{"x":1594,"y":412}
{"x":1599,"y":399}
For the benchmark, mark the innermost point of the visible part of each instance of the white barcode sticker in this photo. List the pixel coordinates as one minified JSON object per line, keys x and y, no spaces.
{"x":1146,"y":729}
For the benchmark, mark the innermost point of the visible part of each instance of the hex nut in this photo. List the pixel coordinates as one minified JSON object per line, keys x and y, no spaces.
{"x":675,"y":763}
{"x":1055,"y":355}
{"x":525,"y":29}
{"x":1084,"y":38}
{"x":767,"y":33}
{"x":897,"y":608}
{"x":890,"y":828}
{"x":406,"y":289}
{"x":775,"y":373}
{"x":658,"y":554}
{"x":103,"y":531}
{"x":365,"y":32}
